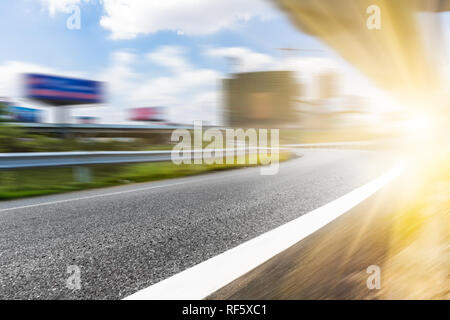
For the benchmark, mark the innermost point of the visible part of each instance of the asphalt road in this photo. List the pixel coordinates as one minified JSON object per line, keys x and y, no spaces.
{"x":126,"y":238}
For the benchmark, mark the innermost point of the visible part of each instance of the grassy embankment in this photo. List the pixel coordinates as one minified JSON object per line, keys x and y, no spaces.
{"x":35,"y":182}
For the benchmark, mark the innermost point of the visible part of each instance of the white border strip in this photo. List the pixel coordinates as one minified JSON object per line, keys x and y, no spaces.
{"x":207,"y":277}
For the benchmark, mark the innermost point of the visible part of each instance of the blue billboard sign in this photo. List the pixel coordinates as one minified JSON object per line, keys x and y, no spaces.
{"x":59,"y":91}
{"x":22,"y":114}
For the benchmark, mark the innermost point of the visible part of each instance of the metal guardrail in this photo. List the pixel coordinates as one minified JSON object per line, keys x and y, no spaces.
{"x":10,"y":161}
{"x":80,"y":161}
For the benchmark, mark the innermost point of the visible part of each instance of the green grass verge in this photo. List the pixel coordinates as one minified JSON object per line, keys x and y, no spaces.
{"x":35,"y":182}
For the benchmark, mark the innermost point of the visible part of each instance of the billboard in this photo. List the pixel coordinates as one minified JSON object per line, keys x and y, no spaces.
{"x":60,"y":91}
{"x":22,"y":114}
{"x":148,"y":114}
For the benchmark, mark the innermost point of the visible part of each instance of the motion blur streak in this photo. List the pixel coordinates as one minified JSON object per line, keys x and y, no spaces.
{"x":400,"y":57}
{"x":406,"y":56}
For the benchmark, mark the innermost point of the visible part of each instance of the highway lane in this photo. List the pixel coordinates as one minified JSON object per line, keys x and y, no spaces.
{"x":127,"y":238}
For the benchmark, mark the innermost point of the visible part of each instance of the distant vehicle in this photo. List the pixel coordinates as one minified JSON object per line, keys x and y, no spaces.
{"x":157,"y":114}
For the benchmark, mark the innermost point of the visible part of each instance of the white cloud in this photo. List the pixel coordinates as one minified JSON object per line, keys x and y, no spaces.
{"x":123,"y":57}
{"x":176,"y":88}
{"x":128,"y":18}
{"x":190,"y":93}
{"x":247,"y":60}
{"x":244,"y":59}
{"x":171,"y":57}
{"x":119,"y":76}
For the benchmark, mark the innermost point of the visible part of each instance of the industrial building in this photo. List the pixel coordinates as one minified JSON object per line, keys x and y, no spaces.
{"x":260,"y":99}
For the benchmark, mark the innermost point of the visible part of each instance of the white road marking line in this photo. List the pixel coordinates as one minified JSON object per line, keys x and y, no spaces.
{"x":207,"y":277}
{"x":86,"y":198}
{"x":118,"y":192}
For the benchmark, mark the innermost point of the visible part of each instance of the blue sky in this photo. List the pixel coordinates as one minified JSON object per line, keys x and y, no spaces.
{"x":170,"y":53}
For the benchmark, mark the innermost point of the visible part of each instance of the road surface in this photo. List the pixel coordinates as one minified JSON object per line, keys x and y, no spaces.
{"x":127,"y":238}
